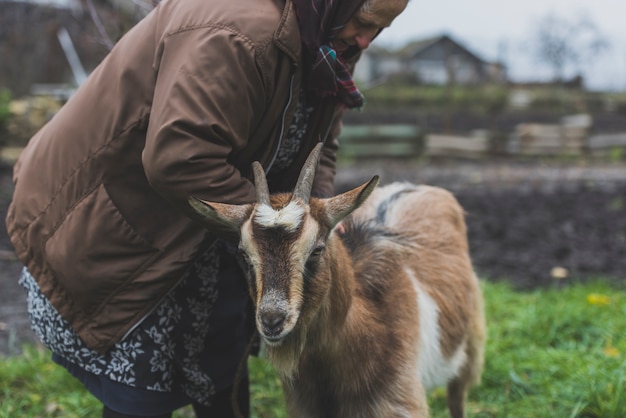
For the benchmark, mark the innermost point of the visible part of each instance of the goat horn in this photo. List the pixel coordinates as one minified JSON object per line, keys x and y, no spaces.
{"x":260,"y":182}
{"x":307,"y":174}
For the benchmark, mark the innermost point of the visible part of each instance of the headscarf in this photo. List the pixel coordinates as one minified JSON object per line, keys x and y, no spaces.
{"x":327,"y":73}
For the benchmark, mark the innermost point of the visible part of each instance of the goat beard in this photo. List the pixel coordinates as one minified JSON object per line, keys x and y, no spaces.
{"x":285,"y":357}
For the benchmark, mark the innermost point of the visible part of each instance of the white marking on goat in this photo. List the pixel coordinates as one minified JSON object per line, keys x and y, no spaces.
{"x":290,"y":217}
{"x":274,"y":299}
{"x":434,"y":369}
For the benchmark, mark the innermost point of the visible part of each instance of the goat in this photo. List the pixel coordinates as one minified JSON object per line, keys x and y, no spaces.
{"x":361,"y":323}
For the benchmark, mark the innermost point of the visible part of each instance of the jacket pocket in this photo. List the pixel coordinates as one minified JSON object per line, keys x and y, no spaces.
{"x":95,"y":251}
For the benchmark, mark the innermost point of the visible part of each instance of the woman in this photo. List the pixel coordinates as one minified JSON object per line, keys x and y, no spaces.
{"x":133,"y":297}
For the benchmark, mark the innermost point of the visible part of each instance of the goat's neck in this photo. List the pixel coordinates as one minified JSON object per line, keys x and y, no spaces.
{"x":342,"y":350}
{"x":345,"y":314}
{"x":338,"y":303}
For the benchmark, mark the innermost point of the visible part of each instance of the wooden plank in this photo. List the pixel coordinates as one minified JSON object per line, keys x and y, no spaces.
{"x":550,"y":139}
{"x":380,"y":141}
{"x":456,"y":146}
{"x":605,"y":141}
{"x":383,"y":149}
{"x":375,"y":131}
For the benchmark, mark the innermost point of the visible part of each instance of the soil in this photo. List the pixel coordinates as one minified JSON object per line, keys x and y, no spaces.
{"x":524,"y":220}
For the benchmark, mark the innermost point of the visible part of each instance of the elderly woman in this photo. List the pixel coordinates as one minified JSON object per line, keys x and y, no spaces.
{"x":140,"y":303}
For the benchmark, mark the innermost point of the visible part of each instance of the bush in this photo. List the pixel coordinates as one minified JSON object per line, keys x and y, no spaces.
{"x":483,"y":100}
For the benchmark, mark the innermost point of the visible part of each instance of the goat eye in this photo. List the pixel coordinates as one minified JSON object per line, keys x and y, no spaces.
{"x":317,"y":252}
{"x":312,"y":263}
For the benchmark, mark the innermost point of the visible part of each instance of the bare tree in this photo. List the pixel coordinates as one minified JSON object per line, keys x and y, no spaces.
{"x":561,"y":43}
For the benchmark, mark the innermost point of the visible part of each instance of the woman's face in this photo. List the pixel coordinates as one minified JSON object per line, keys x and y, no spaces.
{"x":365,"y":24}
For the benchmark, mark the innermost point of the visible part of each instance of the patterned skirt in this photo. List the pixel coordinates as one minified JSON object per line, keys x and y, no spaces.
{"x":189,"y":347}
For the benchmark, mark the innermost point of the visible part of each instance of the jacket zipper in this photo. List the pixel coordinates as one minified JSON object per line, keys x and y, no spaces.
{"x":146,"y":315}
{"x":282,"y":124}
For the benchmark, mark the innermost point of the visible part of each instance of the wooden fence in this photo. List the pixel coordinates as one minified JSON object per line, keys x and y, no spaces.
{"x":572,"y":136}
{"x":474,"y":146}
{"x":409,"y":141}
{"x":371,"y":141}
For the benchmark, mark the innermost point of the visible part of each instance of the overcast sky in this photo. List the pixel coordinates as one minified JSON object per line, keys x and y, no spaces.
{"x":503,"y":30}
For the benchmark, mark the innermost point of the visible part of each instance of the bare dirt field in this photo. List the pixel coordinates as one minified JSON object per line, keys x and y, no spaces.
{"x":524,"y":220}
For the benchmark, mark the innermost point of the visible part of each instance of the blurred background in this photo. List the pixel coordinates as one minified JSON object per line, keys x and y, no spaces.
{"x":523,"y":77}
{"x":519,"y":108}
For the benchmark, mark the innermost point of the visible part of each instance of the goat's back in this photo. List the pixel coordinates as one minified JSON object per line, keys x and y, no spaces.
{"x":430,"y":215}
{"x":429,"y":224}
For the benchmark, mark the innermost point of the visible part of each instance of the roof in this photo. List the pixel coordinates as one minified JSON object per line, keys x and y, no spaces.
{"x":413,"y":49}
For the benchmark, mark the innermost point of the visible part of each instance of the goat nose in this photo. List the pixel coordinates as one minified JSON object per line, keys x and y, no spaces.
{"x":273,"y":320}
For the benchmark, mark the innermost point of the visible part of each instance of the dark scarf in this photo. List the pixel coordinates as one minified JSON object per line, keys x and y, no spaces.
{"x":327,"y":73}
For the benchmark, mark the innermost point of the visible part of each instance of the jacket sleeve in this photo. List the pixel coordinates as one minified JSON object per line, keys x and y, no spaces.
{"x":208,"y":98}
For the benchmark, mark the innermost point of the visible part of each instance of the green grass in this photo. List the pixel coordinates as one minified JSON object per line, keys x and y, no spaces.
{"x":551,"y":353}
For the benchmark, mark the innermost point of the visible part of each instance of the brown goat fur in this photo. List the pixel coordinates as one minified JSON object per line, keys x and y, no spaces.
{"x":362,"y":324}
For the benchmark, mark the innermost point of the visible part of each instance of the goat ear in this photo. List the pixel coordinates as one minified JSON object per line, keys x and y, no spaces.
{"x":221,"y":214}
{"x":342,"y":205}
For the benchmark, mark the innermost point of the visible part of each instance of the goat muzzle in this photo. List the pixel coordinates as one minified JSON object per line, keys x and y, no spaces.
{"x":272,"y":323}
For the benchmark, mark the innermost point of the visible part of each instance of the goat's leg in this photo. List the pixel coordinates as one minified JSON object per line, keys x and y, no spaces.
{"x":457,"y":394}
{"x":470,"y":374}
{"x":459,"y":387}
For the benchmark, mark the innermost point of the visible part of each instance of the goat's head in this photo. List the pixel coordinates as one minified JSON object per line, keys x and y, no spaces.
{"x":283,"y":239}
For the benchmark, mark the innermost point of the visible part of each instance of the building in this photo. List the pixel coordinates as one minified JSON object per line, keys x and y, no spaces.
{"x":440,"y":60}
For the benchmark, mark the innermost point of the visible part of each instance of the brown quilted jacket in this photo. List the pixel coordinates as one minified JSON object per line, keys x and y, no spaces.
{"x":182,"y":105}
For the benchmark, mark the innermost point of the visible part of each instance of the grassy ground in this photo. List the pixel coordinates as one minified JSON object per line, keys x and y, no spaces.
{"x":551,"y":353}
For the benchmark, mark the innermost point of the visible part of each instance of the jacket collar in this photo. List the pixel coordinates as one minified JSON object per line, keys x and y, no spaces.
{"x":287,"y":35}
